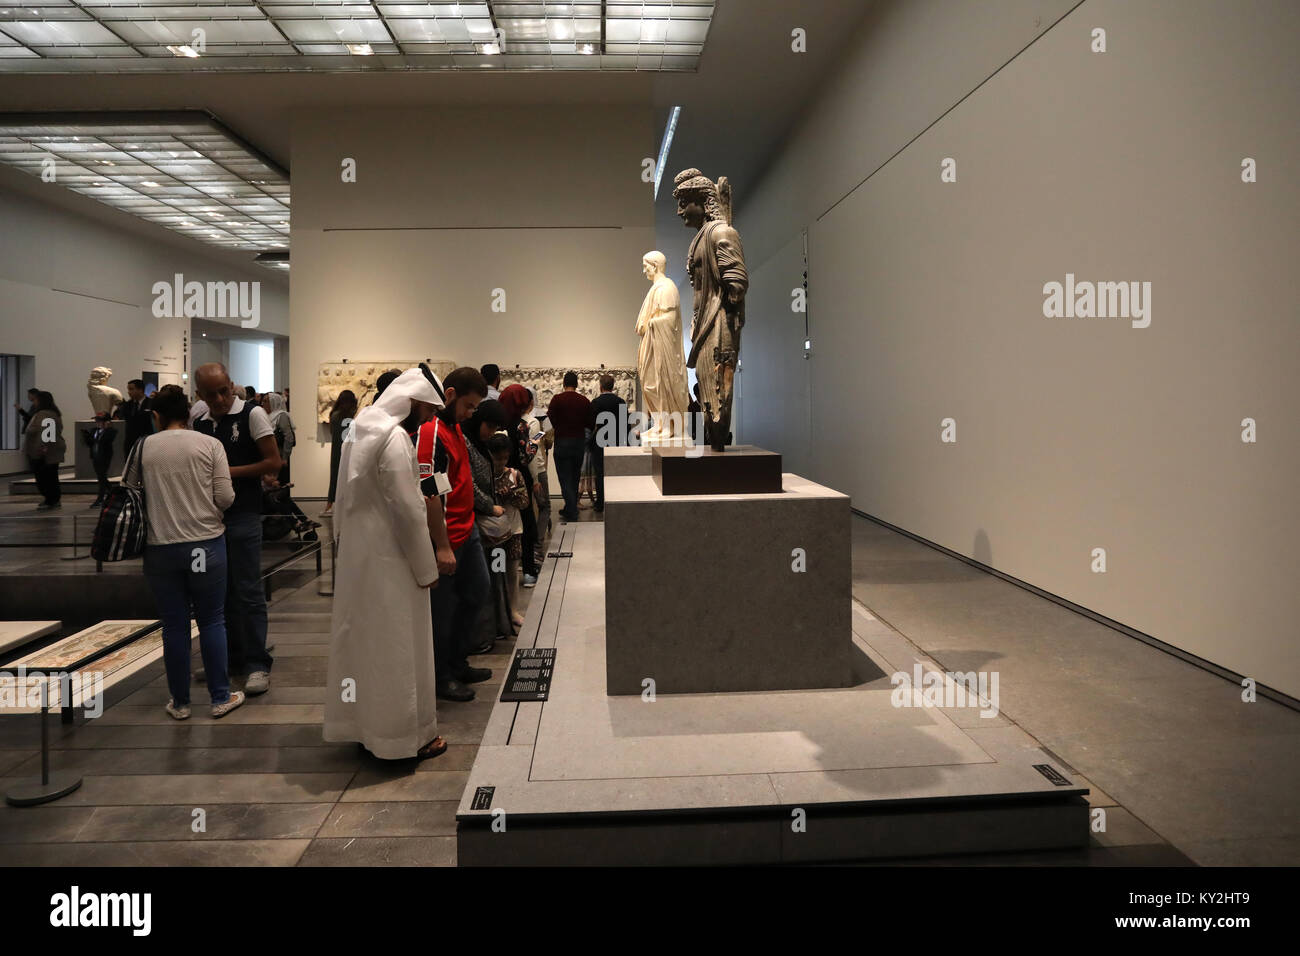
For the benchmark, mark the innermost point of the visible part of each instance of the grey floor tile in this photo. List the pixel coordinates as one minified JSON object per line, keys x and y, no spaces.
{"x":1122,"y":829}
{"x":381,"y":851}
{"x":51,"y":823}
{"x":391,"y":819}
{"x":270,"y":821}
{"x":336,"y":758}
{"x":1276,"y":851}
{"x":201,"y":789}
{"x":171,"y":853}
{"x":377,"y":786}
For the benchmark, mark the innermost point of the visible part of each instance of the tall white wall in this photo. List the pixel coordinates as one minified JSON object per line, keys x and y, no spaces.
{"x":927,"y":304}
{"x":76,"y":294}
{"x":545,"y":203}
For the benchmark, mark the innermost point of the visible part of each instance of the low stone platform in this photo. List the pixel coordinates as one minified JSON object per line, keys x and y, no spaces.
{"x":791,"y":776}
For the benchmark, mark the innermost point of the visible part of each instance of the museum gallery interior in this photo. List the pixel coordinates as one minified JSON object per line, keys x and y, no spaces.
{"x":698,"y":432}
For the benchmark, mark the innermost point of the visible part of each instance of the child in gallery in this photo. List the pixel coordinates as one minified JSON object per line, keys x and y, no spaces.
{"x":507,"y":530}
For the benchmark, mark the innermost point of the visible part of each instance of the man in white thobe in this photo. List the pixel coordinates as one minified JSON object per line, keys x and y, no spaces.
{"x":381,"y":673}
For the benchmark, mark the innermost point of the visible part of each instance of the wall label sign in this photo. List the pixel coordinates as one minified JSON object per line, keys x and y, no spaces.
{"x":1052,"y":774}
{"x":483,"y":798}
{"x":530,"y":674}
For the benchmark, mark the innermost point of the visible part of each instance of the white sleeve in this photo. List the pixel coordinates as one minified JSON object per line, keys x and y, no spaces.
{"x":401,"y":492}
{"x":259,"y":423}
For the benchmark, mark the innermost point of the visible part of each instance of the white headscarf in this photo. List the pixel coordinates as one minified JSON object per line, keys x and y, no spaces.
{"x":280,"y":418}
{"x":375,"y":423}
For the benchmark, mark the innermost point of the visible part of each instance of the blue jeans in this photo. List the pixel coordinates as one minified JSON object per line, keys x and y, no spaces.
{"x":180,"y":581}
{"x":245,"y":599}
{"x":455,"y":604}
{"x":568,"y":456}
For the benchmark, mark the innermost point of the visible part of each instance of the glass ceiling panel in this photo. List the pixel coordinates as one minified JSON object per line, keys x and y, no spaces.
{"x":244,"y":35}
{"x":189,"y":175}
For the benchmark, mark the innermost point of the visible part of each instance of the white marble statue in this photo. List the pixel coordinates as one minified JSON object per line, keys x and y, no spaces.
{"x":660,"y":361}
{"x":103,"y":397}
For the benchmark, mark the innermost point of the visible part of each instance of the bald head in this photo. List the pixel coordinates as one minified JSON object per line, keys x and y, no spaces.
{"x":212,"y":382}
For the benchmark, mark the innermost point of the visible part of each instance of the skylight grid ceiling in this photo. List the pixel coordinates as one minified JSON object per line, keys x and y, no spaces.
{"x":190,"y":175}
{"x":112,"y":36}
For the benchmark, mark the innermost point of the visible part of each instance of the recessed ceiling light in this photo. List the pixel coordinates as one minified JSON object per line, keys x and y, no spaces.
{"x":151,"y":184}
{"x":184,"y":50}
{"x":360,"y":49}
{"x":586,"y":49}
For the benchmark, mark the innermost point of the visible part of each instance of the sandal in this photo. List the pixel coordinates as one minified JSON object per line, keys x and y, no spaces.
{"x":433,"y":748}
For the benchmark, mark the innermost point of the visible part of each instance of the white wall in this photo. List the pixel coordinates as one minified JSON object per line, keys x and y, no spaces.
{"x":927,"y":303}
{"x":77,"y":294}
{"x":546,"y":203}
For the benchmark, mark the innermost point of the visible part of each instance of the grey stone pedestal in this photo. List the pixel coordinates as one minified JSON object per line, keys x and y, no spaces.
{"x":726,"y":592}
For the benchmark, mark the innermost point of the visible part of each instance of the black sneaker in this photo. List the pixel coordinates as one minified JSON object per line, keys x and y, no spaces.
{"x":475,"y":675}
{"x":485,"y":648}
{"x":454,"y":690}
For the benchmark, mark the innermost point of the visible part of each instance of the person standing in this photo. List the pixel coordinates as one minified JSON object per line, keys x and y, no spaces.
{"x":100,"y":441}
{"x":341,"y":416}
{"x":25,"y":414}
{"x":187,"y":486}
{"x":134,"y":412}
{"x":539,"y":439}
{"x":245,"y":432}
{"x":381,"y":665}
{"x":492,"y":375}
{"x":568,"y":412}
{"x":518,"y":402}
{"x":45,"y":448}
{"x":608,"y":424}
{"x":447,"y":480}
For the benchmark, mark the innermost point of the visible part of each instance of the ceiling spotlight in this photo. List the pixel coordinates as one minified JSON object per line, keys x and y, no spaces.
{"x":490,"y":49}
{"x":151,"y":184}
{"x":360,"y":49}
{"x":586,"y":49}
{"x":184,"y":50}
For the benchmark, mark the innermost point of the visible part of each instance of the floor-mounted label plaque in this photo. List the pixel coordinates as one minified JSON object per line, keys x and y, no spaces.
{"x":530,"y":674}
{"x":1052,"y":774}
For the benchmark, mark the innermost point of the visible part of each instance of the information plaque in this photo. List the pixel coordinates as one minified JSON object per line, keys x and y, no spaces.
{"x":530,"y":674}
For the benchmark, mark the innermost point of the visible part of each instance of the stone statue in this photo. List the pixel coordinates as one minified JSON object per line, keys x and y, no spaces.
{"x":103,"y":397}
{"x":659,"y":359}
{"x":716,"y":265}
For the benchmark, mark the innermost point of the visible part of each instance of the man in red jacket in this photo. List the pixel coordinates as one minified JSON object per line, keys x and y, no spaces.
{"x":448,"y":485}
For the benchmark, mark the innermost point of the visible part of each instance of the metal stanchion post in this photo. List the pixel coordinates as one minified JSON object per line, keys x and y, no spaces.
{"x":51,"y":786}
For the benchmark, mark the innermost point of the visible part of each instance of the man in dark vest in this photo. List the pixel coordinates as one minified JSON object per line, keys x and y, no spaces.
{"x":245,"y":431}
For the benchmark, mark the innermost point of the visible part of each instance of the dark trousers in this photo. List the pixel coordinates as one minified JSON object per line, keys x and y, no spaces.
{"x":245,"y":599}
{"x":568,"y":457}
{"x":47,"y":480}
{"x":530,"y":536}
{"x":180,"y":581}
{"x":598,"y":474}
{"x":101,"y":473}
{"x":455,"y":603}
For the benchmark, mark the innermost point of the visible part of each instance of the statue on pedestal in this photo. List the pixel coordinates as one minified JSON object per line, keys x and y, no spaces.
{"x":659,"y":359}
{"x":716,"y":265}
{"x":103,"y":397}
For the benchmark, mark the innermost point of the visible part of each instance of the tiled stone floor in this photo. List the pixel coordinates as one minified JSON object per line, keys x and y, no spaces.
{"x":1165,"y":747}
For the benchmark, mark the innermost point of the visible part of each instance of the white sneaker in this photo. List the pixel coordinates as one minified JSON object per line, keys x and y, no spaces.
{"x":530,"y":580}
{"x":220,"y":710}
{"x":180,"y":713}
{"x":259,"y":682}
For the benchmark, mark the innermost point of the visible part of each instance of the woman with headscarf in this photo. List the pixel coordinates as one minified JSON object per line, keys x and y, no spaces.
{"x":382,"y":678}
{"x":279,"y":500}
{"x":341,"y":415}
{"x":518,"y":401}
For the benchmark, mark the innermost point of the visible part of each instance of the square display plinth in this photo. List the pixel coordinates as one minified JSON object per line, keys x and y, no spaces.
{"x":737,"y":470}
{"x":740,"y":592}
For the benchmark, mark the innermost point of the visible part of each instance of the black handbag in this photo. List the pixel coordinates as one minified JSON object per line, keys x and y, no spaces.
{"x":123,"y":525}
